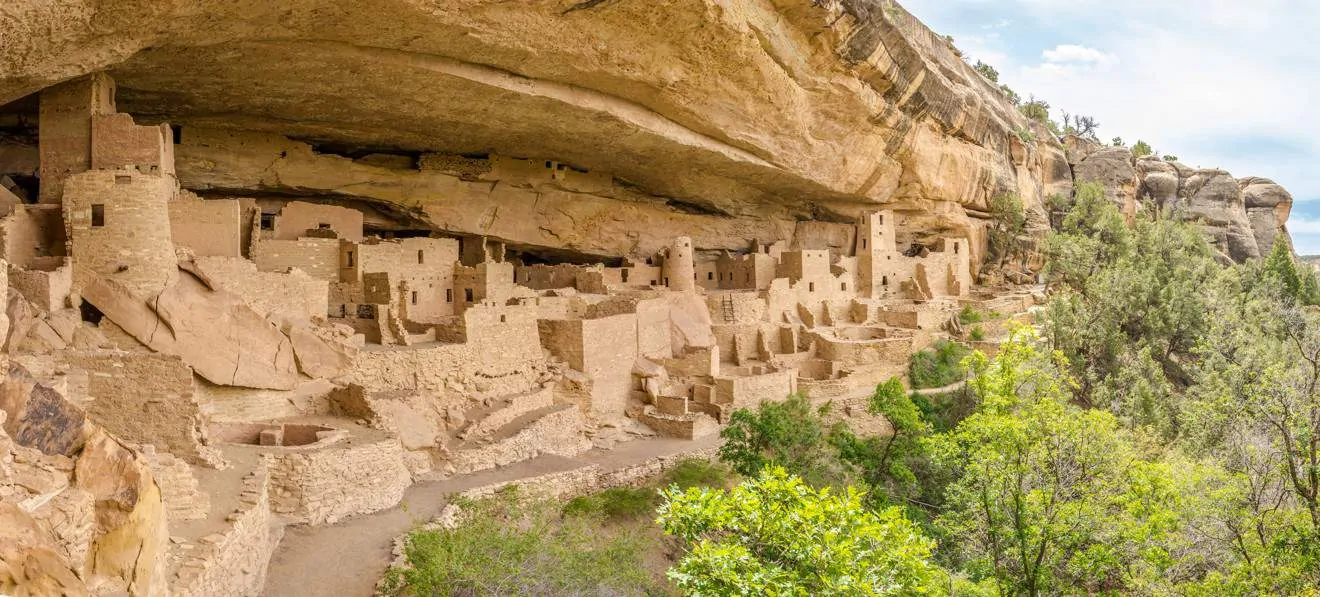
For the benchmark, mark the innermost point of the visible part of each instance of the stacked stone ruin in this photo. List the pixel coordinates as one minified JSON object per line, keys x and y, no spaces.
{"x":279,"y":361}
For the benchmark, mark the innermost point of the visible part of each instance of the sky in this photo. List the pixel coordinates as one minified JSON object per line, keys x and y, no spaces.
{"x":1232,"y":84}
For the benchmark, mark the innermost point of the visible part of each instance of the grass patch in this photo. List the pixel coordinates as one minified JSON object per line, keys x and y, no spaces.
{"x":938,"y":366}
{"x":977,"y":334}
{"x":968,"y":315}
{"x":618,"y":503}
{"x":605,"y":543}
{"x":699,"y":473}
{"x":506,"y":545}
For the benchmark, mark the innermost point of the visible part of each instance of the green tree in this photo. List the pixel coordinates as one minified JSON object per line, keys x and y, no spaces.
{"x":1297,"y":282}
{"x":790,"y":434}
{"x":1008,"y":228}
{"x":885,"y":463}
{"x":1048,"y":497}
{"x":1037,"y":110}
{"x":776,"y":535}
{"x":986,"y":71}
{"x":1130,"y":298}
{"x":1141,"y":149}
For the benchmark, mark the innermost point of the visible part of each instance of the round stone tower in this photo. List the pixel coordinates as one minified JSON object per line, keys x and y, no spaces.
{"x":679,"y":271}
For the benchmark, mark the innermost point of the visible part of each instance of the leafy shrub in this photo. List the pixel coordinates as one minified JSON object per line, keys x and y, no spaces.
{"x":791,"y":434}
{"x":1170,"y":158}
{"x":938,"y":366}
{"x":1141,"y":149}
{"x":776,"y":535}
{"x":977,"y":334}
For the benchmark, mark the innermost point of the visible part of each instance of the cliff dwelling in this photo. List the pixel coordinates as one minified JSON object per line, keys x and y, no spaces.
{"x":287,"y":299}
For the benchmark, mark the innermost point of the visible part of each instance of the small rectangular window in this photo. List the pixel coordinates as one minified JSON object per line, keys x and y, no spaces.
{"x":322,"y":226}
{"x":98,"y":215}
{"x":123,"y":180}
{"x":504,"y":319}
{"x":625,"y":276}
{"x":811,"y":287}
{"x":711,"y":275}
{"x":348,"y":260}
{"x":421,"y":256}
{"x":267,"y":221}
{"x":863,"y":243}
{"x":467,"y":294}
{"x":843,"y":286}
{"x":449,"y":295}
{"x":414,"y":297}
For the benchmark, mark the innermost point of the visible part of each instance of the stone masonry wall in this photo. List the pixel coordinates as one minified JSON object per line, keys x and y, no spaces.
{"x":319,"y":257}
{"x":342,"y":479}
{"x":293,"y":295}
{"x":207,"y":227}
{"x":47,"y":290}
{"x":232,"y":563}
{"x":297,"y":217}
{"x":145,"y":398}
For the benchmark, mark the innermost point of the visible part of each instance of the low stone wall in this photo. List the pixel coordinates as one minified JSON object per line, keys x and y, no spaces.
{"x":557,"y":432}
{"x":178,"y":486}
{"x":350,"y":477}
{"x":232,"y":563}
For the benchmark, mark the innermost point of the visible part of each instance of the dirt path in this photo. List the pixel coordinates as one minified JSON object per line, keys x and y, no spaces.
{"x":346,"y":559}
{"x":944,"y":390}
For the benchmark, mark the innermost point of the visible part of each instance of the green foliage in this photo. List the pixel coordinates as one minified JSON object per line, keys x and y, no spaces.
{"x":789,"y":434}
{"x":1026,"y":135}
{"x":1141,"y":149}
{"x":775,"y":535}
{"x":1130,"y":306}
{"x":1011,"y":96}
{"x":969,"y":315}
{"x":938,"y":366}
{"x":1037,"y":110}
{"x":977,"y":334}
{"x":1050,"y":498}
{"x":1170,"y":158}
{"x":1117,"y":142}
{"x":1297,"y":283}
{"x":508,"y":546}
{"x":1008,"y":228}
{"x":986,"y":71}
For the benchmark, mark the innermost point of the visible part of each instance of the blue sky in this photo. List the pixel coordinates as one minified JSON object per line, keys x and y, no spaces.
{"x":1232,"y":84}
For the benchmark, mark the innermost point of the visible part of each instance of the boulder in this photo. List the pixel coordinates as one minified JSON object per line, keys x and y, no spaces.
{"x":214,"y":332}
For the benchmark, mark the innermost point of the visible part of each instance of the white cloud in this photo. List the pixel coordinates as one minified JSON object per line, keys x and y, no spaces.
{"x":1074,"y":53}
{"x":1220,"y":83}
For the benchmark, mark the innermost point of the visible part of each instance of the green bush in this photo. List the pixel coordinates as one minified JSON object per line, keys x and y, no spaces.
{"x":507,"y":546}
{"x":978,"y":334}
{"x":938,"y":366}
{"x":1141,"y":149}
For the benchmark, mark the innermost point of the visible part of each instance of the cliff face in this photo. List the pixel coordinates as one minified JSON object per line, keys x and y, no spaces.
{"x":733,"y":119}
{"x":779,"y":111}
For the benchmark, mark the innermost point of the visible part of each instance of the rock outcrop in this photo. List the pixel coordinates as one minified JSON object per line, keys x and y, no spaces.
{"x":1242,"y":217}
{"x":80,"y":512}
